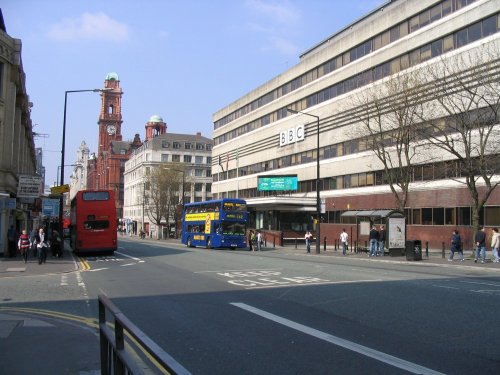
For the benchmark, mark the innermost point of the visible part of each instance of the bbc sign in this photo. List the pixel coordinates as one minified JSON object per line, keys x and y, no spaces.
{"x":292,"y":135}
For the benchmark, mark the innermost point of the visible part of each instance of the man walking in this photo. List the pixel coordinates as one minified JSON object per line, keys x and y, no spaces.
{"x":480,"y":240}
{"x":374,"y":236}
{"x":343,"y":240}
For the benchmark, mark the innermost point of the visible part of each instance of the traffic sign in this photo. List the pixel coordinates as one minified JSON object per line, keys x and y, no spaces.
{"x":59,"y":189}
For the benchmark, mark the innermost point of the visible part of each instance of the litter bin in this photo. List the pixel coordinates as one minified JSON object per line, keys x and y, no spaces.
{"x":413,"y":250}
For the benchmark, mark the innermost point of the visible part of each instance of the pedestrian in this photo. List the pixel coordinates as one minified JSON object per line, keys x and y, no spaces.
{"x":56,"y":244}
{"x":250,"y":239}
{"x":11,"y":239}
{"x":259,"y":240}
{"x":495,"y":244}
{"x":33,"y":242}
{"x":24,"y":245}
{"x":343,"y":240}
{"x":42,"y":245}
{"x":374,"y":236}
{"x":456,"y":246}
{"x":308,"y":238}
{"x":381,"y":240}
{"x":480,"y":240}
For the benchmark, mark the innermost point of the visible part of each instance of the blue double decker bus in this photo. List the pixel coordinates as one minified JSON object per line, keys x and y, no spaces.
{"x":215,"y":224}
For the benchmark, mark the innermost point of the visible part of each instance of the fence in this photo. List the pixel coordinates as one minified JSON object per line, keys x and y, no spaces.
{"x":119,"y":338}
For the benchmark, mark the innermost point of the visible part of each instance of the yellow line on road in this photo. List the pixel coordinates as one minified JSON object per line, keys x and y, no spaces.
{"x":84,"y":265}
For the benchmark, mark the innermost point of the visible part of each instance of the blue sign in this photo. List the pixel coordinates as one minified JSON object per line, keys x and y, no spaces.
{"x":277,"y":183}
{"x":50,"y":207}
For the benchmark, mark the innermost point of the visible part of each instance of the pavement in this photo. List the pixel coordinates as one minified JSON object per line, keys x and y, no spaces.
{"x":28,"y":337}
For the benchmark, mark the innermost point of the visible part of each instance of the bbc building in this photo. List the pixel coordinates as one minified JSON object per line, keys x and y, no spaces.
{"x":407,"y":58}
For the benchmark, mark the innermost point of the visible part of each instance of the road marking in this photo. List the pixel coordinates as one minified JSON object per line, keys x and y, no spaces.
{"x":481,"y":283}
{"x":349,"y":345}
{"x":244,"y":270}
{"x":16,"y":269}
{"x":127,"y":256}
{"x":99,"y":269}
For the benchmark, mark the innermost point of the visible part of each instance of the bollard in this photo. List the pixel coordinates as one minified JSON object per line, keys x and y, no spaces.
{"x":442,"y":252}
{"x":274,"y":242}
{"x":355,"y":247}
{"x":366,"y":247}
{"x":324,"y":243}
{"x":427,"y":249}
{"x":335,"y":245}
{"x":295,"y":242}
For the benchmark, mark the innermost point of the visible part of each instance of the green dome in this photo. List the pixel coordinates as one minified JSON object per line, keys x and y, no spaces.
{"x":112,"y":77}
{"x":155,"y":118}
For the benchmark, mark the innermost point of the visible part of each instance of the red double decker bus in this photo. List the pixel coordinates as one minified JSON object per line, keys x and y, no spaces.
{"x":93,"y":222}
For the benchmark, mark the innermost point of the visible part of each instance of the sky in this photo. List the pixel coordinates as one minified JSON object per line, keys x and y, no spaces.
{"x":180,"y":59}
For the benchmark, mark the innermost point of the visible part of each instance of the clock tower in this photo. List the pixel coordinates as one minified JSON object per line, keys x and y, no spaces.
{"x":110,"y":116}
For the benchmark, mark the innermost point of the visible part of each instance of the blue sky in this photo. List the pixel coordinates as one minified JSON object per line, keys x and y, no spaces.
{"x":182,"y":60}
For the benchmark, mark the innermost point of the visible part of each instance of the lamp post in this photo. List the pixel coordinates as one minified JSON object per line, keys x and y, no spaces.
{"x":58,"y":171}
{"x":63,"y":145}
{"x":318,"y":199}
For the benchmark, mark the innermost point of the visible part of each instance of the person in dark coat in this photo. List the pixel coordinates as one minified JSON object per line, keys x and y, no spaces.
{"x":381,"y":240}
{"x":374,"y":236}
{"x":480,"y":240}
{"x":456,"y":246}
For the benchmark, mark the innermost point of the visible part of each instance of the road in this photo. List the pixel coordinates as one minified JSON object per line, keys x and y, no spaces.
{"x":285,"y":312}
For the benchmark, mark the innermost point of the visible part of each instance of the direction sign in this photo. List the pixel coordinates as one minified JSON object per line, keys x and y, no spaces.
{"x":59,"y":189}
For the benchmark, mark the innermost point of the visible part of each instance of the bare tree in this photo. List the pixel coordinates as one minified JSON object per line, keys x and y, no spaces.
{"x":466,"y":97}
{"x":162,"y":186}
{"x":390,"y":113}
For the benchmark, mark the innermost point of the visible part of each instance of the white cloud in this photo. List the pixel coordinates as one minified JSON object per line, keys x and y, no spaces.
{"x":95,"y":26}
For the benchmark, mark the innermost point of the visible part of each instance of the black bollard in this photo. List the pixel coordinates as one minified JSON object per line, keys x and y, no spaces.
{"x":324,"y":243}
{"x":274,"y":242}
{"x":442,"y":252}
{"x":427,"y":249}
{"x":295,"y":242}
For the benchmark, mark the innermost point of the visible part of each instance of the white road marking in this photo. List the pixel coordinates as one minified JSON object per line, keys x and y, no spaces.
{"x":481,"y":283}
{"x":244,"y":270}
{"x":128,"y":264}
{"x":98,"y":269}
{"x":446,"y":287}
{"x":127,"y":256}
{"x":372,"y":353}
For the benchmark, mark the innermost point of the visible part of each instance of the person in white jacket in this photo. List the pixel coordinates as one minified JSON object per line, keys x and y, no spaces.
{"x":495,"y":244}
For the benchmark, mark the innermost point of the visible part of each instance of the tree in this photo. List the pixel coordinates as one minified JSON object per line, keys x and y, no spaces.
{"x":390,"y":113}
{"x":463,"y":120}
{"x":161,"y":188}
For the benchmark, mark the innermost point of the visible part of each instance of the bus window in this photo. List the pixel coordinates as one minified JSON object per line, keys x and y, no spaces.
{"x":96,"y":224}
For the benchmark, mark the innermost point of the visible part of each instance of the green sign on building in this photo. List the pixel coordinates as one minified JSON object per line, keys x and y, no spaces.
{"x":277,"y":183}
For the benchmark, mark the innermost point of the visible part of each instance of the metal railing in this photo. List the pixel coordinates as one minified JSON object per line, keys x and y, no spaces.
{"x":119,"y":339}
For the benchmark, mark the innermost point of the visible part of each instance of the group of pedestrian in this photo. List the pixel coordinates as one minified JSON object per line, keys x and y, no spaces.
{"x":36,"y":241}
{"x":255,"y":241}
{"x":377,"y":241}
{"x":480,"y":245}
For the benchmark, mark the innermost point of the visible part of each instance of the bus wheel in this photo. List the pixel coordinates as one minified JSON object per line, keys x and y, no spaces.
{"x":189,"y":244}
{"x":209,"y":243}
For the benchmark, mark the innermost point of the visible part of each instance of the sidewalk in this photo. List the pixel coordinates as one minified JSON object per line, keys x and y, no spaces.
{"x":13,"y":267}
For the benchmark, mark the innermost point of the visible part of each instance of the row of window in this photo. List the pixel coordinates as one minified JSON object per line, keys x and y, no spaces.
{"x":488,"y":216}
{"x":186,"y":145}
{"x":410,"y":25}
{"x":456,"y":40}
{"x":425,"y":172}
{"x":174,"y":158}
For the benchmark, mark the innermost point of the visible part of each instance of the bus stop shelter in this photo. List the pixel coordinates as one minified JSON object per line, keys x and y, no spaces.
{"x":392,"y":220}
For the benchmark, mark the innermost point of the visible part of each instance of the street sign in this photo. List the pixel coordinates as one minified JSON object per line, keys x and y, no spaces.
{"x":50,"y":207}
{"x":29,"y":186}
{"x":56,"y":190}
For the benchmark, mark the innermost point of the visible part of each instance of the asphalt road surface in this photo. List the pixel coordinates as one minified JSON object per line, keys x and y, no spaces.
{"x":285,"y":312}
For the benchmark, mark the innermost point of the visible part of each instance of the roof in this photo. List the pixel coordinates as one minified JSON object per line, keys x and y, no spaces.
{"x":373,"y":213}
{"x":112,"y":77}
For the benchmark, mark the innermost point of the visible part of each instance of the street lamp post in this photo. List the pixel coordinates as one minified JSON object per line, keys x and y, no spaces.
{"x":63,"y":145}
{"x":59,"y":168}
{"x":318,"y":199}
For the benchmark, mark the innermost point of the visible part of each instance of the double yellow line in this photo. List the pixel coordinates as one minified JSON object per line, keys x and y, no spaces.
{"x":84,"y":265}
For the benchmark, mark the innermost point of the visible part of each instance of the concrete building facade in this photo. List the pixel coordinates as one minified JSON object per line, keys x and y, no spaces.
{"x":185,"y":153}
{"x":257,"y":135}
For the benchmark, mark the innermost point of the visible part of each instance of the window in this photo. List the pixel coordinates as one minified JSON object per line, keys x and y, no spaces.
{"x":490,"y":26}
{"x":464,"y":216}
{"x":437,"y":48}
{"x":198,"y":187}
{"x":449,"y":218}
{"x":448,"y":43}
{"x":176,"y":158}
{"x":198,"y":172}
{"x":416,"y":216}
{"x":414,"y":24}
{"x":164,"y":158}
{"x":199,"y":146}
{"x":165,"y":144}
{"x":427,"y":216}
{"x":492,"y":216}
{"x":436,"y":13}
{"x":438,"y":216}
{"x":176,"y":145}
{"x":208,"y":147}
{"x":424,"y":18}
{"x":198,"y":159}
{"x":187,"y":158}
{"x":187,"y":145}
{"x":474,"y":32}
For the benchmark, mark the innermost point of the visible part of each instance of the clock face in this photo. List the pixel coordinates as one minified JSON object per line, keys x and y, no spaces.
{"x":111,"y":129}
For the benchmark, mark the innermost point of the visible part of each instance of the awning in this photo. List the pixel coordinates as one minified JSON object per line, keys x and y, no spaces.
{"x":373,"y":213}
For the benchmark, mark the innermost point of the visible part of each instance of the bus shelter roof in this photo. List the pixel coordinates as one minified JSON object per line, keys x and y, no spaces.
{"x":373,"y":213}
